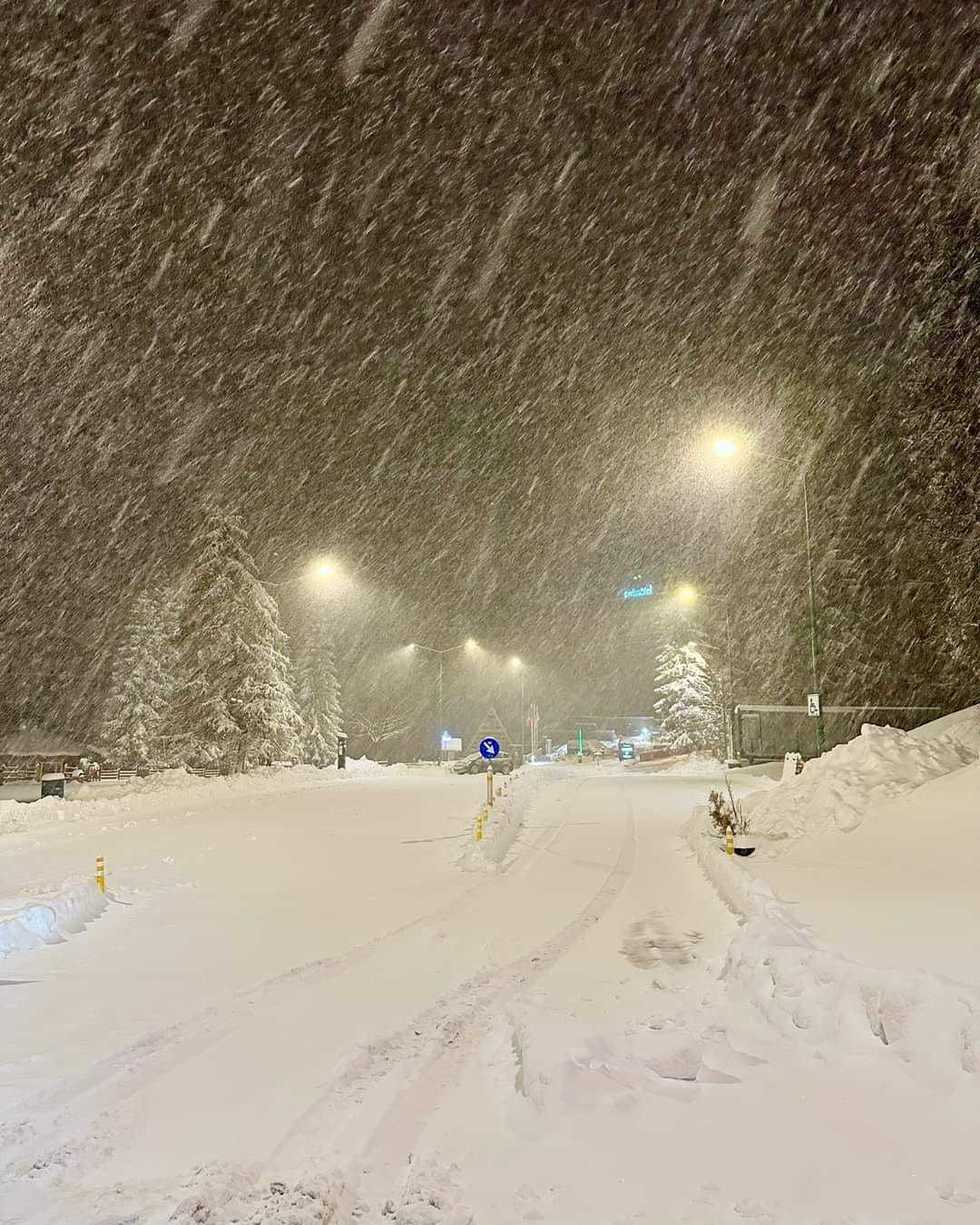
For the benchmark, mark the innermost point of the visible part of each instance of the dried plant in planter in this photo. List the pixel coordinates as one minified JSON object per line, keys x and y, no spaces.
{"x":725,"y":812}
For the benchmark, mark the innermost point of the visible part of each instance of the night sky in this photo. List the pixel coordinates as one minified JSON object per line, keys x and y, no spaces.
{"x":449,"y":290}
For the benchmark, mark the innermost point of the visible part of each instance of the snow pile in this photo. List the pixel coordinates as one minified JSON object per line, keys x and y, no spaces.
{"x":27,"y":925}
{"x":837,"y":789}
{"x":142,"y":796}
{"x":807,"y":991}
{"x":361,"y":765}
{"x":695,"y":764}
{"x":516,"y":793}
{"x":962,"y":725}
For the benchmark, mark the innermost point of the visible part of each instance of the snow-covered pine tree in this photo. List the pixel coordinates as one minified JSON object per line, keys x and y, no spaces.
{"x":234,"y":699}
{"x":688,"y":700}
{"x":318,"y":692}
{"x":142,"y":683}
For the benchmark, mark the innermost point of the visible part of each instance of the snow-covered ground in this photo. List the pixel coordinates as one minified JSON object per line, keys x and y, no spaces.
{"x":879,"y":844}
{"x":303,"y":1005}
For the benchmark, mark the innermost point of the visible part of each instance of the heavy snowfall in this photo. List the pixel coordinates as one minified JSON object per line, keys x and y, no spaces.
{"x":490,"y":613}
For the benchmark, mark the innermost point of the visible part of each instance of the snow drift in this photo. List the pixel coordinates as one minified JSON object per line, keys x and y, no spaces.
{"x":805,"y":989}
{"x":141,"y":796}
{"x":50,"y":919}
{"x":516,"y":796}
{"x":836,"y":791}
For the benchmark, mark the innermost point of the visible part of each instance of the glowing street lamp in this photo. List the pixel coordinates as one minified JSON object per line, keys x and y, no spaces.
{"x":321,"y":573}
{"x":686,"y":595}
{"x":725,"y":448}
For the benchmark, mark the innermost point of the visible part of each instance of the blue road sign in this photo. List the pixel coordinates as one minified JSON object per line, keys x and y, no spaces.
{"x":489,"y":748}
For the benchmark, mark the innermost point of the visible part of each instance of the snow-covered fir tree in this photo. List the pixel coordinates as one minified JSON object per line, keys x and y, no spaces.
{"x":142,"y":684}
{"x":234,"y":700}
{"x":318,"y":691}
{"x":688,"y":700}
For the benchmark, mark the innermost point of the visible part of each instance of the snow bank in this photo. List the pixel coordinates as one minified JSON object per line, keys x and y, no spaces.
{"x":835,"y":791}
{"x":49,"y":919}
{"x":140,"y":796}
{"x":962,"y":725}
{"x":804,"y":989}
{"x":518,"y":793}
{"x":695,"y":763}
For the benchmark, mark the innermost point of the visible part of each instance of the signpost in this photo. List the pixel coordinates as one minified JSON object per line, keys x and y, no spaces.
{"x":489,"y":748}
{"x":813,"y":705}
{"x":451,"y":744}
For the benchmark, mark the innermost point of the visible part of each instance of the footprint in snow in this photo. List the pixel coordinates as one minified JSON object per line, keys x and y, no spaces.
{"x":652,"y":942}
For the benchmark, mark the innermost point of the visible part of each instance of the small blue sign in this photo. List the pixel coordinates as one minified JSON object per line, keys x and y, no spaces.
{"x":489,"y":748}
{"x":638,"y":593}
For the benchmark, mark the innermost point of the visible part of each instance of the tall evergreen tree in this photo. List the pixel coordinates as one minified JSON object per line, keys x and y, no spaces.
{"x":234,"y":699}
{"x":142,"y":683}
{"x":318,"y":691}
{"x":688,"y":700}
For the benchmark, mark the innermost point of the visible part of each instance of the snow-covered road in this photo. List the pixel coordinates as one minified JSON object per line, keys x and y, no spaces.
{"x":308,"y":1012}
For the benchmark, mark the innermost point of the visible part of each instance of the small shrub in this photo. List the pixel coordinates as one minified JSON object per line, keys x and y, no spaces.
{"x":725,"y":812}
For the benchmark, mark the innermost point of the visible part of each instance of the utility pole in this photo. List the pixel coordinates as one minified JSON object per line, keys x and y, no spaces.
{"x":522,"y":714}
{"x":441,"y":712}
{"x":814,"y":639}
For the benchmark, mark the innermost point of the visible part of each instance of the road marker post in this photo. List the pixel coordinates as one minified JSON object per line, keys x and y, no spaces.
{"x":100,"y":873}
{"x":729,"y":840}
{"x":480,"y":819}
{"x":490,"y":785}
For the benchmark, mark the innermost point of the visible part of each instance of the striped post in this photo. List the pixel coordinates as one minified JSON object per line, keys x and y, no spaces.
{"x":490,"y":785}
{"x":729,"y":840}
{"x":100,"y":873}
{"x":480,"y":818}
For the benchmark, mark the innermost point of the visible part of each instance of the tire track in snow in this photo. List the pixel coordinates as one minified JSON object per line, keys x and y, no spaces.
{"x":125,"y":1072}
{"x":444,"y":1037}
{"x":46,"y":1138}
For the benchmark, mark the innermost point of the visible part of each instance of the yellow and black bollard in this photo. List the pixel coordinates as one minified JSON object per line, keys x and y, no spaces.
{"x":481,"y":817}
{"x":729,"y":840}
{"x":100,"y":873}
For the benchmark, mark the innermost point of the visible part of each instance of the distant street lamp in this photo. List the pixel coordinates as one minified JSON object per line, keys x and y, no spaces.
{"x":471,"y":646}
{"x":727,"y":449}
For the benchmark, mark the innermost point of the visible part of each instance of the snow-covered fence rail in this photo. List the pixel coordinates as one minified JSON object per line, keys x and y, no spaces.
{"x":19,"y":774}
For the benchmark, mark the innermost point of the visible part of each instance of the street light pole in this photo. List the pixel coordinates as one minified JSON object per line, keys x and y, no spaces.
{"x":726,"y":448}
{"x":523,"y":718}
{"x":441,"y":652}
{"x":814,"y":640}
{"x":442,"y":718}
